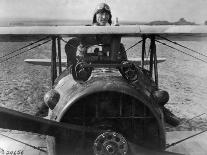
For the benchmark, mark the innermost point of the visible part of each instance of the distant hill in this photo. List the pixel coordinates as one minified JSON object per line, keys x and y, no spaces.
{"x":54,"y":22}
{"x":41,"y":22}
{"x":70,"y":22}
{"x":181,"y":21}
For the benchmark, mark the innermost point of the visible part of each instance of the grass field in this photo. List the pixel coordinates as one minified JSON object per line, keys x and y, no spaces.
{"x":22,"y":86}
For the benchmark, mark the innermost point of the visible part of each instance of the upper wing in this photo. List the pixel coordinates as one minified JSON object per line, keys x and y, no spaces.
{"x":36,"y":32}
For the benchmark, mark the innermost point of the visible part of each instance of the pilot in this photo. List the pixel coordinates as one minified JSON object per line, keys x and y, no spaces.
{"x":75,"y":47}
{"x":102,"y":15}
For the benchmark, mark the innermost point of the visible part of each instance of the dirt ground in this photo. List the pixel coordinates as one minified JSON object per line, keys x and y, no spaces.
{"x":22,"y":86}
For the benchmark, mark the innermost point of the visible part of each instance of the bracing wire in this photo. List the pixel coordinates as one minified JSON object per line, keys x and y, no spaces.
{"x":182,"y":46}
{"x":193,"y":117}
{"x":24,"y":47}
{"x":24,"y":51}
{"x":34,"y":147}
{"x":175,"y":143}
{"x":133,"y":45}
{"x":63,"y":40}
{"x":181,"y":51}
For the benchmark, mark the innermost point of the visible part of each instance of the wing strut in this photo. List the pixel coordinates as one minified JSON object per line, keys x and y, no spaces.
{"x":143,"y":50}
{"x":151,"y":55}
{"x":53,"y":61}
{"x":59,"y":54}
{"x":56,"y":55}
{"x":153,"y":59}
{"x":155,"y":62}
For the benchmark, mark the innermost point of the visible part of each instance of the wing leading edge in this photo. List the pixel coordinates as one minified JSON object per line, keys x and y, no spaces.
{"x":35,"y":32}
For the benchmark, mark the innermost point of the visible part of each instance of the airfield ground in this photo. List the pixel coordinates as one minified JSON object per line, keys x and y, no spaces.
{"x":22,"y":86}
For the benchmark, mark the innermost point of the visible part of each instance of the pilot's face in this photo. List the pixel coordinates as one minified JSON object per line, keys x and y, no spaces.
{"x":102,"y":18}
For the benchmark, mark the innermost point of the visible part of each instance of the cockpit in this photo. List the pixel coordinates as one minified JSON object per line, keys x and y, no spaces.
{"x":105,"y":51}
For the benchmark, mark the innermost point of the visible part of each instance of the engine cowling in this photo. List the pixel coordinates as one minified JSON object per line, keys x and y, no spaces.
{"x":107,"y":102}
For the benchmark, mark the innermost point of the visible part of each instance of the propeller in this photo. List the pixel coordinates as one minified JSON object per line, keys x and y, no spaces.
{"x":14,"y":120}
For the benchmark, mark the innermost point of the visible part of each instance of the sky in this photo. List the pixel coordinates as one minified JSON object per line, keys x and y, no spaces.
{"x":131,"y":10}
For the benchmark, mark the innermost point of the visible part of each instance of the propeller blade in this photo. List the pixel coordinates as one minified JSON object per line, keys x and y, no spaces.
{"x":15,"y":120}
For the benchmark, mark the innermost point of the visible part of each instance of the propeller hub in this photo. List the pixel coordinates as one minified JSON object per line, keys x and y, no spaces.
{"x":110,"y":143}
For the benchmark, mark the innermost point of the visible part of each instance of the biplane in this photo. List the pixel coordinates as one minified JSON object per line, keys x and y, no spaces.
{"x":100,"y":104}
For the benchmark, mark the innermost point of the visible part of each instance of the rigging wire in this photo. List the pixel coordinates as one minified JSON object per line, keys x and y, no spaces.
{"x":24,"y":51}
{"x":193,"y":118}
{"x":133,"y":45}
{"x":182,"y":46}
{"x":63,"y":40}
{"x":24,"y":47}
{"x":181,"y":51}
{"x":175,"y":143}
{"x":34,"y":147}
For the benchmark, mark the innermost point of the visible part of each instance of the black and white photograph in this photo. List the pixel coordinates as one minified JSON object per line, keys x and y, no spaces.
{"x":103,"y":77}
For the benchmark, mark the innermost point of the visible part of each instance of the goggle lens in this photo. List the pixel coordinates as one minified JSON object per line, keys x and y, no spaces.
{"x":106,"y":7}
